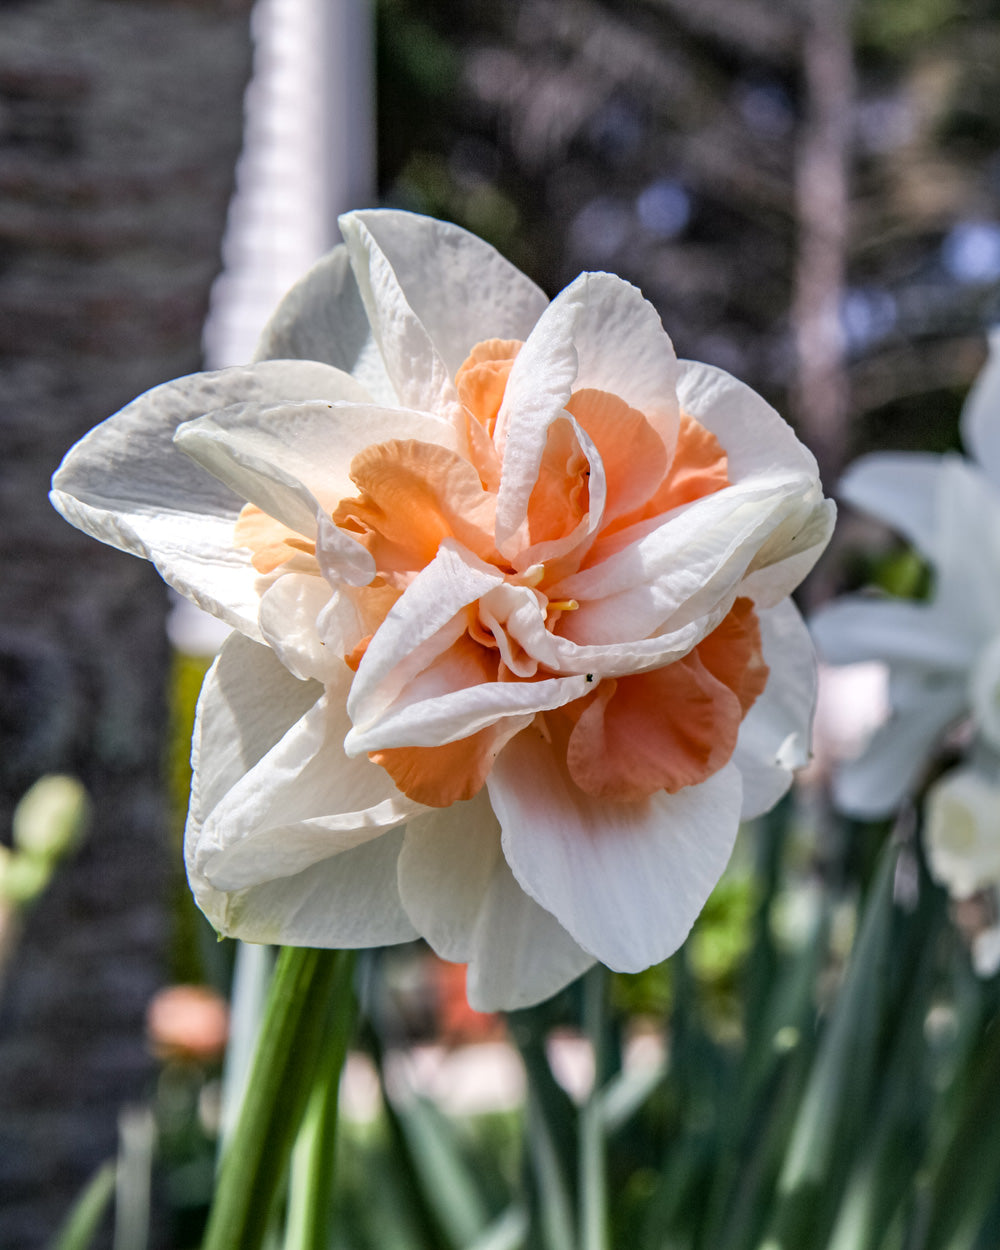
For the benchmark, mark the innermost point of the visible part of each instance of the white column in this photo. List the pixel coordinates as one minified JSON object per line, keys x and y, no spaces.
{"x":308,"y":155}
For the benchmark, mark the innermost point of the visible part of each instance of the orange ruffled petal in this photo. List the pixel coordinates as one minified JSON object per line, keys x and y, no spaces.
{"x":633,"y":454}
{"x":561,"y":494}
{"x":671,"y":727}
{"x":700,"y":467}
{"x":415,"y":494}
{"x":442,"y":775}
{"x":481,"y":382}
{"x":271,"y":542}
{"x":482,"y":379}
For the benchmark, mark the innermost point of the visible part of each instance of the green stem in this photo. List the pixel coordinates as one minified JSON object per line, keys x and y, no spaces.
{"x":593,"y":1197}
{"x":292,"y":1038}
{"x":310,"y":1193}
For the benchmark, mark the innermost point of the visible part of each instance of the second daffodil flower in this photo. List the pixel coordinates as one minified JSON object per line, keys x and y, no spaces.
{"x":943,"y":654}
{"x":513,"y":650}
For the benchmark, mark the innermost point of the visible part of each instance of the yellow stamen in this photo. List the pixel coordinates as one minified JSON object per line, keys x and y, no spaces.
{"x":563,"y":605}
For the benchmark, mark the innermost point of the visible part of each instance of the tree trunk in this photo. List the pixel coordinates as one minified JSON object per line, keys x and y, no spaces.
{"x":120,"y":124}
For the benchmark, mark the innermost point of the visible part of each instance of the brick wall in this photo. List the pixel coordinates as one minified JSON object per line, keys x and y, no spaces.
{"x":120,"y":124}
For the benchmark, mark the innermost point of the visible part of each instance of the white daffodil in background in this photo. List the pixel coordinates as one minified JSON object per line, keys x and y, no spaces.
{"x":962,"y":831}
{"x":513,"y":651}
{"x":962,"y":838}
{"x":943,"y":654}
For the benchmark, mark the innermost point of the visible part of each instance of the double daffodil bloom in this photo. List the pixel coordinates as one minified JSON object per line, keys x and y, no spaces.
{"x":512,"y":647}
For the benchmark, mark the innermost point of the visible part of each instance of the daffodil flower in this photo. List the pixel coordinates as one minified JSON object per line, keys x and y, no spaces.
{"x":962,"y":839}
{"x":962,"y":831}
{"x":513,"y":650}
{"x":943,"y":654}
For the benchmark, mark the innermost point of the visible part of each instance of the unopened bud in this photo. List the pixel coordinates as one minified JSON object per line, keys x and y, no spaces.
{"x":51,"y":818}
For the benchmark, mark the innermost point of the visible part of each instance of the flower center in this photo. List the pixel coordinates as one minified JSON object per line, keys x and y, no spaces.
{"x":627,"y":737}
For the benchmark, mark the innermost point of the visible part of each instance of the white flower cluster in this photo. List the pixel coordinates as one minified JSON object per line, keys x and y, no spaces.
{"x":943,"y":654}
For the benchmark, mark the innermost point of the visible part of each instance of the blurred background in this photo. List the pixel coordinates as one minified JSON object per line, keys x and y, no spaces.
{"x":808,"y":190}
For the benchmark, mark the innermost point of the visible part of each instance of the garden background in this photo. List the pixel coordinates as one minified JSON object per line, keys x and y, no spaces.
{"x":809,"y":192}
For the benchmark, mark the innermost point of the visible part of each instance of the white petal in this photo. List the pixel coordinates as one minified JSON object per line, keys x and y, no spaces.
{"x":861,"y":627}
{"x":755,"y":438}
{"x":248,"y":706}
{"x":601,"y":333}
{"x":248,"y":703}
{"x":433,"y":291}
{"x":431,"y":715}
{"x":900,"y":488}
{"x":419,"y":626}
{"x":681,"y":569}
{"x":791,"y":551}
{"x":342,"y":903}
{"x":460,"y":894}
{"x":967,"y":543}
{"x":625,"y":879}
{"x":981,"y":414}
{"x":340,"y":557}
{"x":286,"y":458}
{"x":984,"y":693}
{"x":518,"y":609}
{"x":445,"y":868}
{"x":522,"y":954}
{"x":339,"y":624}
{"x":301,"y":802}
{"x":128,"y":485}
{"x":323,"y":318}
{"x":775,"y":735}
{"x":538,"y":390}
{"x":892,"y":763}
{"x":623,"y":349}
{"x":289,"y":613}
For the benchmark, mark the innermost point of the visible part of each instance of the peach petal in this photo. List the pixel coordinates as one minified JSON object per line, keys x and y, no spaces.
{"x":482,"y":379}
{"x":673,"y":726}
{"x":357,"y":653}
{"x":700,"y":467}
{"x":733,"y":654}
{"x":663,"y":730}
{"x":271,"y":542}
{"x":481,"y":383}
{"x":414,"y":495}
{"x":633,"y":453}
{"x":440,"y":776}
{"x":561,"y":495}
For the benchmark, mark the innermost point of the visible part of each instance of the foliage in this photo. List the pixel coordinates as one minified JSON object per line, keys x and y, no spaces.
{"x":838,"y":1101}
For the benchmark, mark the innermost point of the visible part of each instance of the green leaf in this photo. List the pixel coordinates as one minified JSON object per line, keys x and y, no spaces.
{"x":964,"y":1188}
{"x":839,"y":1089}
{"x":550,"y":1137}
{"x":301,"y":1009}
{"x":448,"y":1180}
{"x":310,"y":1193}
{"x":507,"y":1232}
{"x":83,"y":1221}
